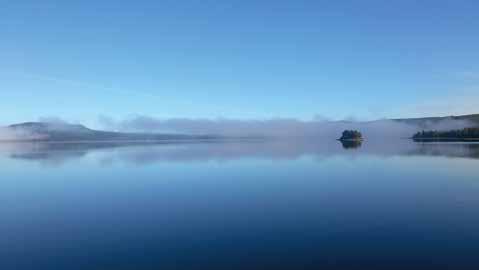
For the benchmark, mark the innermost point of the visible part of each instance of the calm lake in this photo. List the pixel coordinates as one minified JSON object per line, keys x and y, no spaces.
{"x":239,"y":205}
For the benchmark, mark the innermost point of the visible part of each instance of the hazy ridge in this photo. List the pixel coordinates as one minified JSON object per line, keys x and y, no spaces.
{"x":210,"y":129}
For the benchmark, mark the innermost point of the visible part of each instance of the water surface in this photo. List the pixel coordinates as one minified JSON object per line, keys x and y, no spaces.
{"x":239,"y":205}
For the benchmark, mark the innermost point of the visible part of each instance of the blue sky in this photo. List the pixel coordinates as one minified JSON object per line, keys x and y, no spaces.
{"x":238,"y":59}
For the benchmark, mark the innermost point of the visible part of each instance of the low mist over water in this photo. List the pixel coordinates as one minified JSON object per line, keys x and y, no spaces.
{"x":283,"y":128}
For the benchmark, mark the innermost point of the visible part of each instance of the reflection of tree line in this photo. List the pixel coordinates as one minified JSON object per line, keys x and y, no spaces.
{"x":469,"y":150}
{"x":58,"y":153}
{"x":201,"y":152}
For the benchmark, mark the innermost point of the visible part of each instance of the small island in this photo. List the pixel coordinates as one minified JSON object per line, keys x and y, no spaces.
{"x":461,"y":135}
{"x":351,"y":136}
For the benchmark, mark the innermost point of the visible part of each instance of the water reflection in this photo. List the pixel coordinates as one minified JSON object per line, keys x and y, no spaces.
{"x":351,"y":144}
{"x":55,"y":154}
{"x":99,"y":212}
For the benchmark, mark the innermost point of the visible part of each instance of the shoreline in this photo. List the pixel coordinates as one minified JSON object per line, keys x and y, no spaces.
{"x":445,"y":139}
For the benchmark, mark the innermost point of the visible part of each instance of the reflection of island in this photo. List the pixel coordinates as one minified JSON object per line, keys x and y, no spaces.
{"x":351,"y":144}
{"x":463,"y":135}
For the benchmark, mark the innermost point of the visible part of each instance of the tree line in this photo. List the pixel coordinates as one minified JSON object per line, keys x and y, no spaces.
{"x":351,"y":135}
{"x":466,"y":133}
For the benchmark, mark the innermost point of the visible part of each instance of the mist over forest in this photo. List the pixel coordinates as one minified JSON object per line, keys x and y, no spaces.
{"x":150,"y":128}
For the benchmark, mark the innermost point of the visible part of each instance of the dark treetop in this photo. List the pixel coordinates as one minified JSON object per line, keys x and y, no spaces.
{"x":351,"y":135}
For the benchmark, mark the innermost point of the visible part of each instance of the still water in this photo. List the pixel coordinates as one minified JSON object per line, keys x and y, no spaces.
{"x":239,"y":205}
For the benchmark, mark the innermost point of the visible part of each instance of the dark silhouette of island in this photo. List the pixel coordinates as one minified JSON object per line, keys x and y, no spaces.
{"x":466,"y":134}
{"x":63,"y":132}
{"x":351,"y":135}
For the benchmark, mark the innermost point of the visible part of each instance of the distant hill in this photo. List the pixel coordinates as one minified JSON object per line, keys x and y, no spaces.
{"x":472,"y":119}
{"x":40,"y":131}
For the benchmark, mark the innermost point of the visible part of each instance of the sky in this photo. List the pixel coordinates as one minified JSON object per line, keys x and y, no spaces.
{"x":83,"y":60}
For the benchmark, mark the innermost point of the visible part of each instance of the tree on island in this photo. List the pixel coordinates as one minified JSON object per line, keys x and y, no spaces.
{"x":351,"y":135}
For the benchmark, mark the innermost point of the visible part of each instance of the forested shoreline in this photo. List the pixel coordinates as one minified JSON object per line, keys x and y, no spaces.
{"x":466,"y":134}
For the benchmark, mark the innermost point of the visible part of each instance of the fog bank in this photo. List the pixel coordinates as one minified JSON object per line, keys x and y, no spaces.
{"x":8,"y":134}
{"x":280,"y":127}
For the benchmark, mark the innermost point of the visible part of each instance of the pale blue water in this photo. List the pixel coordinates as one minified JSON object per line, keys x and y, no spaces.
{"x":239,"y":205}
